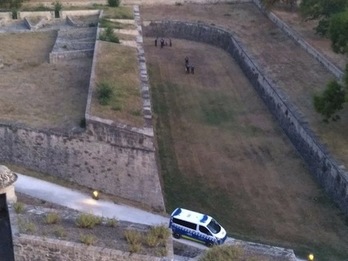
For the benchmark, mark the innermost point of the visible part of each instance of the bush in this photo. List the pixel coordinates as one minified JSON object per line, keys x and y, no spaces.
{"x":18,"y":207}
{"x":223,"y":253}
{"x":132,"y":236}
{"x":88,"y":239}
{"x":111,"y":222}
{"x":59,"y":231}
{"x":104,"y":93}
{"x":57,"y":8}
{"x":52,"y":218}
{"x":109,"y":36}
{"x":157,"y":235}
{"x":114,"y":3}
{"x":87,"y":221}
{"x":26,"y":226}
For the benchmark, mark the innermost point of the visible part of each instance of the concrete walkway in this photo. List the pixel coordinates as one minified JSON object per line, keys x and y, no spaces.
{"x":79,"y":201}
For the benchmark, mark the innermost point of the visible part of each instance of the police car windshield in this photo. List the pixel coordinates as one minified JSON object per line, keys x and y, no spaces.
{"x":214,"y":226}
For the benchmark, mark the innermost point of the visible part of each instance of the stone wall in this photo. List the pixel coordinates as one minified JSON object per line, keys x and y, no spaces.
{"x":173,"y":2}
{"x":43,"y":14}
{"x":112,"y":161}
{"x":321,"y":164}
{"x":41,"y":249}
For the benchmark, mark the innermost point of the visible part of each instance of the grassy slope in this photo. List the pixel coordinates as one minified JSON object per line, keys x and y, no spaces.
{"x":222,"y":154}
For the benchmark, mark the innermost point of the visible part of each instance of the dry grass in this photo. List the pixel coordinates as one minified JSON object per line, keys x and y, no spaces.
{"x":117,"y":66}
{"x":222,"y":153}
{"x":296,"y":72}
{"x":36,"y":93}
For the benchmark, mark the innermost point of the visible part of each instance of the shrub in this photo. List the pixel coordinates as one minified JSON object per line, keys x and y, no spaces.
{"x":111,"y":222}
{"x":87,"y":221}
{"x":109,"y":36}
{"x":88,"y":239}
{"x":132,"y":236}
{"x":157,"y":235}
{"x":222,"y":253}
{"x":57,"y":8}
{"x":59,"y":231}
{"x":104,"y":93}
{"x":135,"y":248}
{"x":26,"y":226}
{"x":114,"y":3}
{"x":18,"y":207}
{"x":52,"y":218}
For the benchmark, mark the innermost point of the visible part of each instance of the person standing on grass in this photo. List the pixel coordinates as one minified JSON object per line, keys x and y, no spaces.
{"x":162,"y":42}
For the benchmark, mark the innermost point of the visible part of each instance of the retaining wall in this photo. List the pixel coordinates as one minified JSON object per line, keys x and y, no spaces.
{"x":64,"y":14}
{"x":36,"y":248}
{"x":43,"y":14}
{"x":324,"y":168}
{"x":110,"y":160}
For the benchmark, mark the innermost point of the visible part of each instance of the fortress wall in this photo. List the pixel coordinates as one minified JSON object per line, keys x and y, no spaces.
{"x":43,"y":14}
{"x":321,"y":164}
{"x":124,"y":167}
{"x":37,"y":248}
{"x":64,"y":14}
{"x":173,"y":2}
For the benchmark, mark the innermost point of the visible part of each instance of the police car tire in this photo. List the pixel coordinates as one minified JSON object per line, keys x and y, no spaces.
{"x":176,"y":235}
{"x":209,"y":244}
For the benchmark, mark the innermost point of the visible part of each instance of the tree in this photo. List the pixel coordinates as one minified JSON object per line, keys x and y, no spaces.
{"x":322,"y":10}
{"x":338,"y":32}
{"x":330,"y":101}
{"x":270,"y":3}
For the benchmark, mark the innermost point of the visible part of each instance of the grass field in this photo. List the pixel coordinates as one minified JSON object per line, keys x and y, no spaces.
{"x":35,"y":92}
{"x":117,"y":66}
{"x":222,"y":153}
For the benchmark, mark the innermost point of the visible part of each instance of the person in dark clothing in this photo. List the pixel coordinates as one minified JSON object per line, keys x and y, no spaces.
{"x":170,"y":42}
{"x":162,"y":43}
{"x":192,"y":69}
{"x":186,"y":61}
{"x":187,"y":68}
{"x":156,"y":42}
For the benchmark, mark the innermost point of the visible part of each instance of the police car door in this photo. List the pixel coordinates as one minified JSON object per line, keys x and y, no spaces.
{"x":206,"y":235}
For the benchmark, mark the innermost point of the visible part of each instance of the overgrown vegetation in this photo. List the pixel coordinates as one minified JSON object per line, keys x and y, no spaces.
{"x":108,"y":35}
{"x":223,"y":253}
{"x":87,"y":221}
{"x":26,"y":225}
{"x":133,"y":238}
{"x":57,"y":8}
{"x":113,"y":3}
{"x":121,"y":12}
{"x":104,"y":93}
{"x":52,"y":218}
{"x":18,"y":207}
{"x":111,"y":222}
{"x":88,"y":239}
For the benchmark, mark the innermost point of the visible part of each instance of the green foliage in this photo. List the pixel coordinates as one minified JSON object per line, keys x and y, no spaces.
{"x":52,"y":218}
{"x":18,"y":207}
{"x":26,"y":226}
{"x":330,"y":101}
{"x":270,"y":3}
{"x":338,"y":31}
{"x":108,"y":35}
{"x":87,"y":221}
{"x":59,"y":231}
{"x":157,"y":235}
{"x":322,"y":10}
{"x":11,"y":4}
{"x":104,"y":93}
{"x":57,"y":8}
{"x":223,"y":253}
{"x":105,"y":23}
{"x":88,"y":239}
{"x":113,"y":3}
{"x":111,"y":222}
{"x":133,"y":238}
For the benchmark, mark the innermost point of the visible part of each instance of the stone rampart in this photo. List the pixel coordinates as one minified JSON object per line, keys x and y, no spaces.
{"x":29,"y":247}
{"x":42,"y":14}
{"x":64,"y":14}
{"x":69,"y":55}
{"x":113,"y":162}
{"x":173,"y":2}
{"x":321,"y":164}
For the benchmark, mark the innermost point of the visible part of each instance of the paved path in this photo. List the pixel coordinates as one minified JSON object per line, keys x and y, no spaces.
{"x":79,"y":201}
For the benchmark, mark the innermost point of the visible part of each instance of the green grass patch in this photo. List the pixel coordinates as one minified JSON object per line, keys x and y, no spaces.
{"x":121,"y":12}
{"x":105,"y":23}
